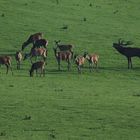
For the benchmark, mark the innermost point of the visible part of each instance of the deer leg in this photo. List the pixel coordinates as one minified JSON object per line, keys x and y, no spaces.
{"x":68,"y":65}
{"x":44,"y":58}
{"x":79,"y":69}
{"x":92,"y":66}
{"x":131,"y":63}
{"x":11,"y":69}
{"x":31,"y":60}
{"x":7,"y":68}
{"x":96,"y":65}
{"x":128,"y":61}
{"x":59,"y":65}
{"x":36,"y":72}
{"x":43,"y":72}
{"x":17,"y":65}
{"x":89,"y":67}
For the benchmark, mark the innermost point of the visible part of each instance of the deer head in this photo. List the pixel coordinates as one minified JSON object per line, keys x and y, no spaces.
{"x":57,"y":42}
{"x":122,"y":43}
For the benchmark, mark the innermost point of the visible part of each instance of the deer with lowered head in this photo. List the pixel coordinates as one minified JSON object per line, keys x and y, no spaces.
{"x":128,"y":52}
{"x":32,"y":39}
{"x":40,"y":65}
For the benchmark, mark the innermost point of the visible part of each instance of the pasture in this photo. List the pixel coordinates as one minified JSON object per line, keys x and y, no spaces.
{"x":65,"y":105}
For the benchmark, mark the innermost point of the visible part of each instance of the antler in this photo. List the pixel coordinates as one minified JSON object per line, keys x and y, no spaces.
{"x":125,"y":43}
{"x":128,"y":43}
{"x":120,"y":41}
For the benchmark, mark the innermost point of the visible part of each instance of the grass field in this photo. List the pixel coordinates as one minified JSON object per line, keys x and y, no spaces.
{"x":103,"y":105}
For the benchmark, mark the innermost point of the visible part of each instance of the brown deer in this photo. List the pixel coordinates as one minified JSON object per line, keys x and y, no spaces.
{"x":92,"y":59}
{"x":35,"y":52}
{"x":61,"y":56}
{"x":41,"y":42}
{"x":40,"y":65}
{"x":18,"y":57}
{"x":129,"y":52}
{"x":32,"y":39}
{"x":62,"y":47}
{"x":6,"y":60}
{"x":79,"y":60}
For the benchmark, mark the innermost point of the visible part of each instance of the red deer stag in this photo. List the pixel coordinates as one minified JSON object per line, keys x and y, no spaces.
{"x":6,"y":60}
{"x":32,"y":39}
{"x":61,"y":56}
{"x":35,"y":52}
{"x":129,"y":52}
{"x":40,"y":65}
{"x":92,"y":59}
{"x":18,"y":57}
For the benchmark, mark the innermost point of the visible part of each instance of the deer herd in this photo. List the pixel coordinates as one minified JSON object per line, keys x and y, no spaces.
{"x":62,"y":52}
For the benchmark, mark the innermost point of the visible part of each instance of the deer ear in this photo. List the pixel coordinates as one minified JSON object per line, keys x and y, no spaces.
{"x":59,"y":41}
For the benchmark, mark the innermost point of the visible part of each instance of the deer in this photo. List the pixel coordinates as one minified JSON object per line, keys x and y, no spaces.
{"x":18,"y":57}
{"x":32,"y":39}
{"x":35,"y":52}
{"x":41,"y":42}
{"x":79,"y":61}
{"x":93,"y":60}
{"x":6,"y":60}
{"x":61,"y":56}
{"x":40,"y":65}
{"x":128,"y":52}
{"x":62,"y":47}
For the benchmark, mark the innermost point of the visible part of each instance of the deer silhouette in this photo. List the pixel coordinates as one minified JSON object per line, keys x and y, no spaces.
{"x":129,"y":52}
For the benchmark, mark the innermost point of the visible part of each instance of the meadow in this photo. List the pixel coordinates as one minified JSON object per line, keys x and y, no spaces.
{"x":102,"y":105}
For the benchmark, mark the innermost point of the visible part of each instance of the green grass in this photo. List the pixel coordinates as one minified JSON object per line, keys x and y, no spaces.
{"x":103,"y":105}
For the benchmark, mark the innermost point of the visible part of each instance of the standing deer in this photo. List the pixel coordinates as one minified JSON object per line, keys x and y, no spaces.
{"x":35,"y":52}
{"x":61,"y":56}
{"x":41,"y":42}
{"x":40,"y":65}
{"x":32,"y":39}
{"x":18,"y":57}
{"x":79,"y":60}
{"x":92,"y":59}
{"x":6,"y":60}
{"x":62,"y":47}
{"x":129,"y":52}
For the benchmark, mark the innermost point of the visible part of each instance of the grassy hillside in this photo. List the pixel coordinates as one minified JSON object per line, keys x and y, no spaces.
{"x":103,"y":105}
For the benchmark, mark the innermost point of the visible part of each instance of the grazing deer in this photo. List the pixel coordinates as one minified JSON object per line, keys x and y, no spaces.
{"x":41,"y":42}
{"x":32,"y":39}
{"x":92,"y":59}
{"x":40,"y":65}
{"x":6,"y":60}
{"x":18,"y":57}
{"x":79,"y":60}
{"x":61,"y":47}
{"x":35,"y":52}
{"x":63,"y":55}
{"x":129,"y":52}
